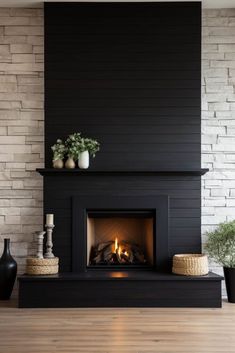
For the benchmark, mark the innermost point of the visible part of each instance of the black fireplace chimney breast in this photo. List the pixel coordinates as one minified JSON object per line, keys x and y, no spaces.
{"x":129,"y":75}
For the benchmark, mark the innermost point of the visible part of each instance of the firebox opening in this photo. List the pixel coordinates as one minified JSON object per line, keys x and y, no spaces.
{"x":120,"y":239}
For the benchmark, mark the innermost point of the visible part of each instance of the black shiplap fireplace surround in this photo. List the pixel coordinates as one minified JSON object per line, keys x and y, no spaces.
{"x":128,"y":74}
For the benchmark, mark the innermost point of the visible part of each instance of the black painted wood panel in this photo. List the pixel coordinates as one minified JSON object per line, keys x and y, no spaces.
{"x":184,"y":205}
{"x":130,"y":289}
{"x":127,"y":74}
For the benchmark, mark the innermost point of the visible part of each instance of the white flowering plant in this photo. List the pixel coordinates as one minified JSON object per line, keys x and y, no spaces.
{"x":59,"y":150}
{"x":90,"y":145}
{"x":72,"y":144}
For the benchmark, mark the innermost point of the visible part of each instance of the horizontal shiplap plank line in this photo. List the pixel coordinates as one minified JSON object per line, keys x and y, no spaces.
{"x":185,"y":222}
{"x":192,"y":202}
{"x":177,"y":49}
{"x":128,"y":23}
{"x":129,"y":62}
{"x":185,"y":245}
{"x":167,"y":152}
{"x":130,"y":93}
{"x":156,"y":185}
{"x":65,"y":213}
{"x":134,"y":22}
{"x":138,"y":67}
{"x":177,"y":194}
{"x":124,"y":122}
{"x":63,"y":199}
{"x":139,"y":138}
{"x":128,"y":101}
{"x":135,"y":84}
{"x":185,"y":216}
{"x":173,"y":182}
{"x":141,"y":117}
{"x":118,"y":104}
{"x":192,"y":213}
{"x":177,"y":199}
{"x":118,"y":75}
{"x":159,"y":185}
{"x":127,"y":112}
{"x":122,"y":34}
{"x":142,"y":129}
{"x":144,"y":38}
{"x":109,"y":27}
{"x":183,"y":232}
{"x":149,"y":44}
{"x":184,"y":249}
{"x":124,"y":49}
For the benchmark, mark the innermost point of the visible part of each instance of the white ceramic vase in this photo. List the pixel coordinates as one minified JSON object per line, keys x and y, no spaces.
{"x":83,"y":161}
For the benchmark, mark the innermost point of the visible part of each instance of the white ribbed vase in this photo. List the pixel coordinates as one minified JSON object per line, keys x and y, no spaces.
{"x":83,"y":161}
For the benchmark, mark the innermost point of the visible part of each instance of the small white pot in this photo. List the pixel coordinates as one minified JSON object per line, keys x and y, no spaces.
{"x":83,"y":161}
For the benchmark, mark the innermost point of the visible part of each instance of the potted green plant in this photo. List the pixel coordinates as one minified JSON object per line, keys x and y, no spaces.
{"x":87,"y":147}
{"x":59,"y":151}
{"x":72,"y":149}
{"x":221,"y":247}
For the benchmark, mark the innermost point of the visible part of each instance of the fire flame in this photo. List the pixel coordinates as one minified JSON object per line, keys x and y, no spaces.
{"x":118,"y":249}
{"x":116,"y":244}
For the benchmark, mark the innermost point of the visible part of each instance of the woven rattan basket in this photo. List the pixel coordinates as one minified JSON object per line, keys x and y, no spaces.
{"x":35,"y":261}
{"x":190,"y":264}
{"x":42,"y":270}
{"x":36,"y":266}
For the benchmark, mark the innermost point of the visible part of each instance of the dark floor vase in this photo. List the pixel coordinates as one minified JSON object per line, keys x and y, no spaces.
{"x":229,"y":274}
{"x":8,"y":270}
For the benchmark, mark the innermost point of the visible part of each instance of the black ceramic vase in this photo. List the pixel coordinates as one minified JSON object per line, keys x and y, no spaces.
{"x":229,"y":274}
{"x":8,"y":270}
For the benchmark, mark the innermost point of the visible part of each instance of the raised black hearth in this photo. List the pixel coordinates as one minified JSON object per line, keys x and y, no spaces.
{"x":129,"y":75}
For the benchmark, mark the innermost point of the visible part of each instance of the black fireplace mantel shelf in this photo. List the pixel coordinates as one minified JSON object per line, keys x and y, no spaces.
{"x":79,"y":172}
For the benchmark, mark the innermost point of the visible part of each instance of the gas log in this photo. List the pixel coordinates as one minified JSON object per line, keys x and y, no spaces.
{"x":114,"y":253}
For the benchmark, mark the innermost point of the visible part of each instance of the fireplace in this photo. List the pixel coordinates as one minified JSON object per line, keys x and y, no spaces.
{"x":120,"y":232}
{"x":120,"y":239}
{"x":127,"y":74}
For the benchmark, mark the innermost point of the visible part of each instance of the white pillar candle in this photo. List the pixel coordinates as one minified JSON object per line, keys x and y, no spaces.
{"x":49,"y":219}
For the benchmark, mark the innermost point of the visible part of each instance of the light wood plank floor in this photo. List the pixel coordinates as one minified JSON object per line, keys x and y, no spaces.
{"x":117,"y":330}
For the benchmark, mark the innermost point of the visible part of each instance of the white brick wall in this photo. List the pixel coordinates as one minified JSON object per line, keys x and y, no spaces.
{"x":218,"y":119}
{"x":21,"y":123}
{"x":21,"y":128}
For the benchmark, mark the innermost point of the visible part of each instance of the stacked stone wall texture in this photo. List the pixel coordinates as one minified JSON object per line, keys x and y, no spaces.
{"x":21,"y":128}
{"x":22,"y":124}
